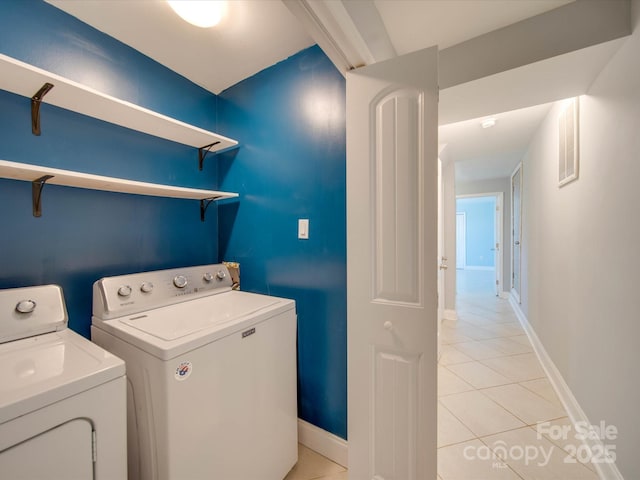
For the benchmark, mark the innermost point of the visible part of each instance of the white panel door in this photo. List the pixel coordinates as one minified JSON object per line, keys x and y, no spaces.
{"x":516,"y":225}
{"x":391,"y":273}
{"x":498,"y":256}
{"x":441,"y":260}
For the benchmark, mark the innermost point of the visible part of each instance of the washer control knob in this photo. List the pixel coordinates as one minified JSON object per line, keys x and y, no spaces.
{"x":146,"y":287}
{"x":221,"y":275}
{"x":180,"y":281}
{"x":207,"y":277}
{"x":26,"y":306}
{"x":124,"y":291}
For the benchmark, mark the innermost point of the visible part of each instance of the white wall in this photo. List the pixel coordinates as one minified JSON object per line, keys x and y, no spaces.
{"x":493,"y":186}
{"x":580,"y":256}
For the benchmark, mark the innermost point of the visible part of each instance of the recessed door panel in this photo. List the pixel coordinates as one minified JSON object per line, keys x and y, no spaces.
{"x":62,"y":453}
{"x":395,"y":415}
{"x":397,"y":187}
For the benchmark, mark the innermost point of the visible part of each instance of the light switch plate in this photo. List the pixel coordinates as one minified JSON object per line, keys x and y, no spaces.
{"x":303,"y":228}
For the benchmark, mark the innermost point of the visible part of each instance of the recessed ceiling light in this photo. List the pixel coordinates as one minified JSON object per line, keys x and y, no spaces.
{"x":488,"y":122}
{"x":201,"y":13}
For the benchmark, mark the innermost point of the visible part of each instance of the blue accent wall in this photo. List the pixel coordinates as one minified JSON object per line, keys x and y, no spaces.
{"x":480,"y":229}
{"x":38,"y":33}
{"x":84,"y":234}
{"x":290,"y":122}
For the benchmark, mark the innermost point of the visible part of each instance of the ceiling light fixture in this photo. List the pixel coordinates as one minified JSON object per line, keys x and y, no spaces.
{"x":201,"y":13}
{"x":488,"y":122}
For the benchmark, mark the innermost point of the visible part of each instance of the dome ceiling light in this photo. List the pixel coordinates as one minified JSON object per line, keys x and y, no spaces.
{"x":201,"y":13}
{"x":488,"y":122}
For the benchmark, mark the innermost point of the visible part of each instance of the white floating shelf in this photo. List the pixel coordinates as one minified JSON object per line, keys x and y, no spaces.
{"x":68,"y":178}
{"x":24,"y":79}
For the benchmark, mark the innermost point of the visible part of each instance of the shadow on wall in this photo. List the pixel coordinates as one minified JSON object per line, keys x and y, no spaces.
{"x":83,"y":234}
{"x":290,"y":122}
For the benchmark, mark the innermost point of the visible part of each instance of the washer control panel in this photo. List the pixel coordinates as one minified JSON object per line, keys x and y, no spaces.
{"x":124,"y":291}
{"x":29,"y":311}
{"x":180,"y":281}
{"x":125,"y":294}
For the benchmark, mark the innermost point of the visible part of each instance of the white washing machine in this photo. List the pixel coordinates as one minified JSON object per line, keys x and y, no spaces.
{"x":211,"y":374}
{"x":62,"y":398}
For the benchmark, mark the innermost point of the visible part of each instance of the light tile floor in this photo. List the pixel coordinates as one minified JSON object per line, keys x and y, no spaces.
{"x":493,"y":393}
{"x":313,"y":466}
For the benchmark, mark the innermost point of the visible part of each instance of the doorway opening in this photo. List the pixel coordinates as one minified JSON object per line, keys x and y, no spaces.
{"x":479,"y":232}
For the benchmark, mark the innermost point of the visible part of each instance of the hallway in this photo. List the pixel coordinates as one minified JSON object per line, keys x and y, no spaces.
{"x":498,"y":416}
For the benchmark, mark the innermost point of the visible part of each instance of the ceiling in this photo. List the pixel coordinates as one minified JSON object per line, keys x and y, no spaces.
{"x":413,"y":25}
{"x":256,"y":34}
{"x":484,"y":153}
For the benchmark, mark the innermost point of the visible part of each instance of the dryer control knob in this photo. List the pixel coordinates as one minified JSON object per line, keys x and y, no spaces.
{"x":180,"y":281}
{"x":221,"y":275}
{"x":26,"y":306}
{"x":146,"y":287}
{"x":124,"y":291}
{"x":207,"y":277}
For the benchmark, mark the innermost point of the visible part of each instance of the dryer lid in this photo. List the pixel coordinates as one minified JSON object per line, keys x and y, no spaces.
{"x":41,"y":370}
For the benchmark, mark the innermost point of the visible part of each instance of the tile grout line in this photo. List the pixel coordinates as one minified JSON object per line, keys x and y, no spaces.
{"x":526,"y":424}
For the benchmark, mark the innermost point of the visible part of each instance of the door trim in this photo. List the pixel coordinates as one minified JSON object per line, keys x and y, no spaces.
{"x":498,"y":234}
{"x":516,"y":292}
{"x":461,"y":260}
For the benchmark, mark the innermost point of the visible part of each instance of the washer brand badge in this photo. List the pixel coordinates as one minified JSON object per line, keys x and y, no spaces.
{"x":183,"y":371}
{"x":248,"y":332}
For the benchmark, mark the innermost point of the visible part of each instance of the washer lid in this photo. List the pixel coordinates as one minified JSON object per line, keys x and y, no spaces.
{"x":41,"y":370}
{"x":169,"y":331}
{"x":177,"y":321}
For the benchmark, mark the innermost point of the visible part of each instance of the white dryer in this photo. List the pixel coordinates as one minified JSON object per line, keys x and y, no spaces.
{"x":62,"y":398}
{"x":212,"y":374}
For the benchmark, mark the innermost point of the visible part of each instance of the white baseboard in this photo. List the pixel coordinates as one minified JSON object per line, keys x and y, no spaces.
{"x":514,"y":297}
{"x":606,"y":471}
{"x":323,"y":442}
{"x":450,"y":315}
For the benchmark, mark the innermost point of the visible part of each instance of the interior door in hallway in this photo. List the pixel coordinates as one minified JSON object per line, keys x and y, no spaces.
{"x":392,"y":110}
{"x":516,"y":230}
{"x":498,"y":249}
{"x":441,"y":260}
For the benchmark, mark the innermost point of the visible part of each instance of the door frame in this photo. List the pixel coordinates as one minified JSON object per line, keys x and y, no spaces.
{"x":498,"y":234}
{"x":461,"y":237}
{"x":516,"y":292}
{"x":442,"y":259}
